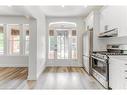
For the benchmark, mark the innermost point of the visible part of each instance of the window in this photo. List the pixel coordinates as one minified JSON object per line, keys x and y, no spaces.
{"x":27,"y":37}
{"x":62,"y":44}
{"x":52,"y":44}
{"x":74,"y":45}
{"x":1,"y":40}
{"x":14,"y":39}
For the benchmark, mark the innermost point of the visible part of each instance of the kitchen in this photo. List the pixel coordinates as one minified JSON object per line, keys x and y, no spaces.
{"x":105,"y":38}
{"x":85,"y":46}
{"x":63,"y":47}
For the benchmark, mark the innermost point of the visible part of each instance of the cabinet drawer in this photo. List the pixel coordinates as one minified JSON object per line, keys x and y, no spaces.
{"x":125,"y":83}
{"x":125,"y":74}
{"x":125,"y":66}
{"x":124,"y":70}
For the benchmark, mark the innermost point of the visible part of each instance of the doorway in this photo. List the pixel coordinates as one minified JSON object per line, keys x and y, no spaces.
{"x":62,"y":45}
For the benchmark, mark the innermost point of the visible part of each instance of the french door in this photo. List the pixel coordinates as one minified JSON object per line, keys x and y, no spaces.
{"x":62,"y":46}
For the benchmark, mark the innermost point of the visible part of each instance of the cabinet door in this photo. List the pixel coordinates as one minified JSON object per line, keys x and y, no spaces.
{"x":86,"y":43}
{"x":111,"y":74}
{"x":125,"y":75}
{"x":116,"y":74}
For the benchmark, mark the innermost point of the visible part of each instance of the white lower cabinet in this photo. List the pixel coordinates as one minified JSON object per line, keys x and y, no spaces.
{"x":117,"y":74}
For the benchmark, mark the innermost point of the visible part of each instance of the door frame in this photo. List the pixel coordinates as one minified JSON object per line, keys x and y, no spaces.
{"x":62,"y":62}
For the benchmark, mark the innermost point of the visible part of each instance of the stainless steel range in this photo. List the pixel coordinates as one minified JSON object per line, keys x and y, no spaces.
{"x":100,"y":62}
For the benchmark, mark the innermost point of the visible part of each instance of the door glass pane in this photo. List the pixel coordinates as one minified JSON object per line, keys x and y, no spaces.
{"x":66,"y":47}
{"x":52,"y":47}
{"x":62,"y":45}
{"x":74,"y":47}
{"x":14,"y":39}
{"x":1,"y":40}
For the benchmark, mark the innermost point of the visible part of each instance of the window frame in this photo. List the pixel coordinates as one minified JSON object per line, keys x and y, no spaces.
{"x":24,"y":38}
{"x":3,"y":39}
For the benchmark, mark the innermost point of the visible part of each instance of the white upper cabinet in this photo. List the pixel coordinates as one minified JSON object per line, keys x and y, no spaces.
{"x":89,"y":21}
{"x":114,"y":17}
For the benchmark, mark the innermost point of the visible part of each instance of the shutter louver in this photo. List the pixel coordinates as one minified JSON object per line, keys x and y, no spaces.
{"x":1,"y":29}
{"x":51,"y":32}
{"x":73,"y":32}
{"x":14,"y":32}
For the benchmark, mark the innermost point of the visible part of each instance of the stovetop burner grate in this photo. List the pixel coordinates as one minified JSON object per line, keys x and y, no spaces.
{"x":108,"y":53}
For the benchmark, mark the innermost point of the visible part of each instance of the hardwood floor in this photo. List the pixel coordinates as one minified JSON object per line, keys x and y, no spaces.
{"x":11,"y":78}
{"x":51,"y":78}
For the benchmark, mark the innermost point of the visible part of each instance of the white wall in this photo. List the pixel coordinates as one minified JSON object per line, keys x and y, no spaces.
{"x":41,"y":44}
{"x":98,"y":43}
{"x":115,"y":40}
{"x":37,"y":44}
{"x":14,"y":61}
{"x":32,"y":67}
{"x":80,"y":29}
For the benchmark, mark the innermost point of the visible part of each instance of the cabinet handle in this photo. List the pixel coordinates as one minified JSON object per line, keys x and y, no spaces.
{"x":125,"y":70}
{"x":125,"y":64}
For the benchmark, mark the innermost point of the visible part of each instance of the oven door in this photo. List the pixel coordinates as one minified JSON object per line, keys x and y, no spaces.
{"x":100,"y":70}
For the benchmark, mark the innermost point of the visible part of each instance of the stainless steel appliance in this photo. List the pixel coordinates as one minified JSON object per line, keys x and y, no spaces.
{"x":100,"y":62}
{"x":109,"y":33}
{"x":87,"y":49}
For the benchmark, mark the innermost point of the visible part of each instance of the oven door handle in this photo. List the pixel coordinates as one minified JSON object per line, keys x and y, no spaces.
{"x":99,"y":59}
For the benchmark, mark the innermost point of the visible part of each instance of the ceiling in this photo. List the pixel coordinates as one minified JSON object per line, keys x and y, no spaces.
{"x":57,"y":11}
{"x":13,"y":10}
{"x":65,"y":11}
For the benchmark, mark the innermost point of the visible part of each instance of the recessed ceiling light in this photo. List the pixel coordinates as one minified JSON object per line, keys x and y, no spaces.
{"x":10,"y":6}
{"x":85,"y":6}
